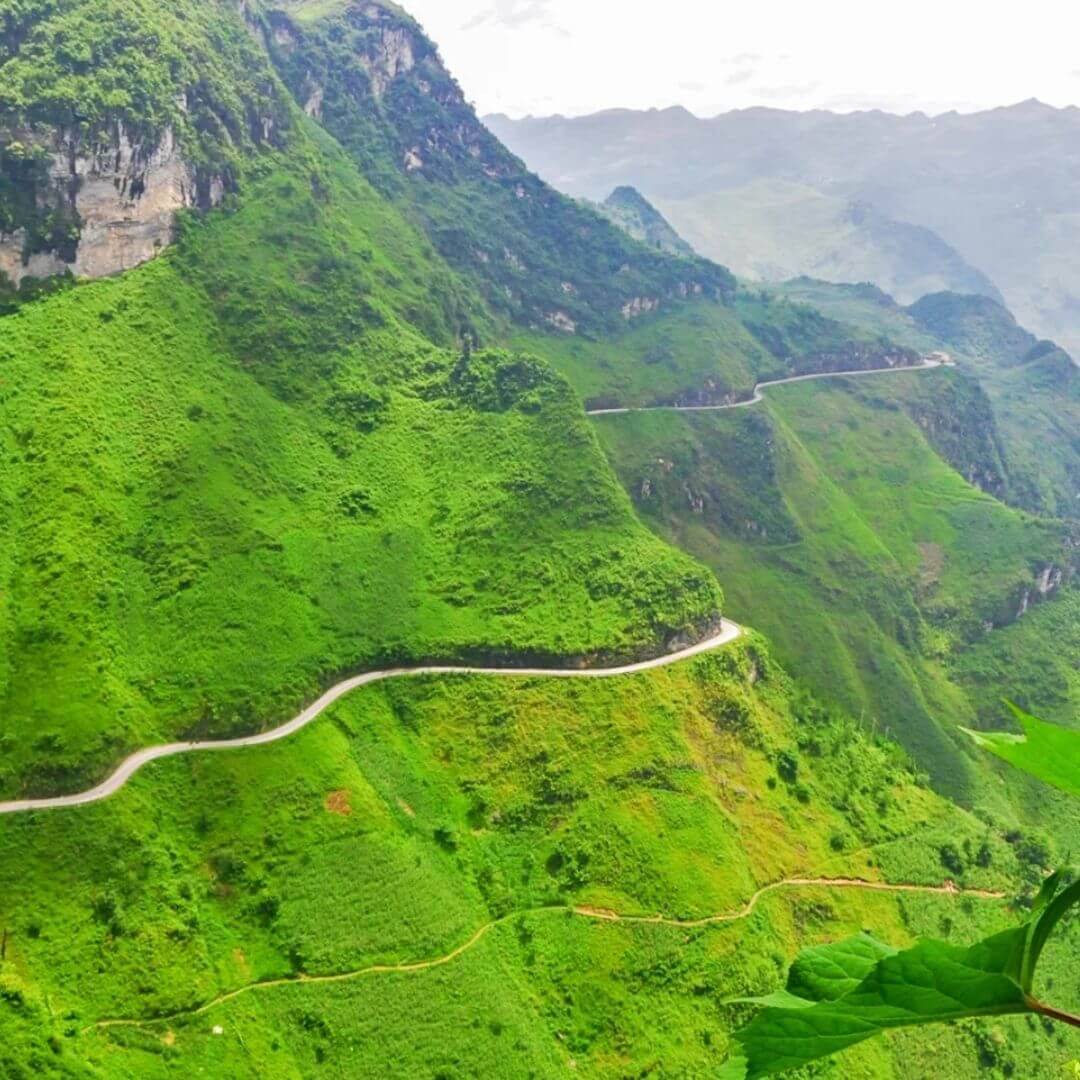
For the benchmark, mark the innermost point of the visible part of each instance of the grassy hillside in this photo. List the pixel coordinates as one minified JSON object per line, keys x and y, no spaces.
{"x":840,"y":531}
{"x":291,"y":448}
{"x":418,"y":814}
{"x":1033,"y":386}
{"x":712,"y":353}
{"x":227,"y":486}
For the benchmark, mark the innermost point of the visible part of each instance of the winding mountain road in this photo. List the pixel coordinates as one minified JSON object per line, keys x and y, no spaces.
{"x":935,"y":360}
{"x":729,"y":632}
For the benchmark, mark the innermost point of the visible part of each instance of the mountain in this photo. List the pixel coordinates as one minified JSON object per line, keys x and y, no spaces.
{"x":537,"y":256}
{"x":629,"y":209}
{"x":773,"y":230}
{"x":291,"y":389}
{"x":1033,"y":386}
{"x":997,"y":187}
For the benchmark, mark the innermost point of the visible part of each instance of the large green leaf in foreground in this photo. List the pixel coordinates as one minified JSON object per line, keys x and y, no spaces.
{"x":1045,"y":750}
{"x":838,"y":995}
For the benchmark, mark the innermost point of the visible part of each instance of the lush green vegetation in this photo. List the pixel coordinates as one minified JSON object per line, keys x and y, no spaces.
{"x":1015,"y":660}
{"x":306,"y":441}
{"x":419,"y":812}
{"x":88,"y":77}
{"x":226,"y":487}
{"x":701,"y":352}
{"x":1033,"y":386}
{"x":84,"y":67}
{"x":840,"y":532}
{"x":540,"y":258}
{"x":841,"y":994}
{"x":709,"y":354}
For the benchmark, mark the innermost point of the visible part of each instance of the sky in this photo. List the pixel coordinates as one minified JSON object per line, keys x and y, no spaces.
{"x":539,"y":57}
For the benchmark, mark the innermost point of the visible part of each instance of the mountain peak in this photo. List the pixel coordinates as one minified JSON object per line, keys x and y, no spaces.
{"x":631,"y":211}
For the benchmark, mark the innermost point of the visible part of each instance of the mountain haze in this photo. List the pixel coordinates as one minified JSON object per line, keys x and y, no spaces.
{"x":998,"y":187}
{"x":305,"y":375}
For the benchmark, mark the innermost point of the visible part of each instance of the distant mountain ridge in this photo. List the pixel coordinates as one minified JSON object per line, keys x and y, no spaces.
{"x":999,"y":187}
{"x":774,"y":230}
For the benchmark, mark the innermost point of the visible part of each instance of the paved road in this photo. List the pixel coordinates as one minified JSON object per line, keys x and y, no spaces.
{"x":935,"y":361}
{"x":729,"y":632}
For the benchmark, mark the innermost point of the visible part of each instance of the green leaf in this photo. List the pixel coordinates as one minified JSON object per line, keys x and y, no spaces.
{"x":1046,"y":751}
{"x":828,"y":972}
{"x":839,"y":995}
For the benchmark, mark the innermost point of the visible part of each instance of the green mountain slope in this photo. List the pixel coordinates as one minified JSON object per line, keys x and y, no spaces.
{"x":316,"y":434}
{"x":631,"y":211}
{"x":377,"y":84}
{"x":366,"y":842}
{"x":843,"y":534}
{"x":1033,"y":386}
{"x":251,"y":466}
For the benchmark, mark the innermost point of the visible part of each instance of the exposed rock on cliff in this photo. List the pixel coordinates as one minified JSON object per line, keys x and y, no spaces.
{"x":379,"y":86}
{"x":110,"y":125}
{"x":110,"y":201}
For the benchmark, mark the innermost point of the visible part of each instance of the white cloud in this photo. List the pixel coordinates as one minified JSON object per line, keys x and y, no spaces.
{"x":737,"y":78}
{"x":512,"y":14}
{"x":580,"y":56}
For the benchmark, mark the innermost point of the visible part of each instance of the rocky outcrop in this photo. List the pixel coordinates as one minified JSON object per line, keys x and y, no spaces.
{"x":1048,"y":580}
{"x":392,"y":54}
{"x":562,"y":322}
{"x":120,"y":192}
{"x":640,"y":305}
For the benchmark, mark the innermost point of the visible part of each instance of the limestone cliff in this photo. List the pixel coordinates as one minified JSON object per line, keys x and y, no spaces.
{"x":98,"y":204}
{"x":368,"y":73}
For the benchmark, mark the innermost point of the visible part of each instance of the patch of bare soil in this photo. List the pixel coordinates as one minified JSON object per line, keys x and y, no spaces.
{"x":933,"y":564}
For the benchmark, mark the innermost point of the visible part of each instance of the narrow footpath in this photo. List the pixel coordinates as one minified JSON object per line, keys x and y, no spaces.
{"x":597,"y":914}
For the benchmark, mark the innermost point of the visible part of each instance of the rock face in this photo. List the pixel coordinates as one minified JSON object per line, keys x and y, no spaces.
{"x":122,"y":194}
{"x":392,"y":54}
{"x":376,"y":82}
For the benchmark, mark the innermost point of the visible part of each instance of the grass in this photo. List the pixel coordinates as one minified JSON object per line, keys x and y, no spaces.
{"x":1018,"y":662}
{"x":265,"y":460}
{"x":701,"y":349}
{"x":226,"y":488}
{"x":704,"y":353}
{"x":1033,"y":387}
{"x":416,"y":813}
{"x":840,"y":532}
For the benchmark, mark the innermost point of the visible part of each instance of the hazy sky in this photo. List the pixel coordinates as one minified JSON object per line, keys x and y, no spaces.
{"x":578,"y":56}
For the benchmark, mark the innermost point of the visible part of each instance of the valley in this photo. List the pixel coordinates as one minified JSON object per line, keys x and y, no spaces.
{"x":444,"y":636}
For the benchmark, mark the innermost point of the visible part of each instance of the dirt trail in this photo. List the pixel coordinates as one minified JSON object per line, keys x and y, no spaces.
{"x":584,"y":912}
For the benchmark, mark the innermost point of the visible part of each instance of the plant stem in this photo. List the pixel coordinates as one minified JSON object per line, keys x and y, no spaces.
{"x":1054,"y":1014}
